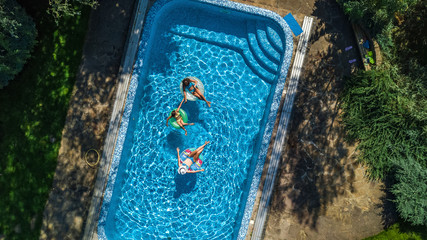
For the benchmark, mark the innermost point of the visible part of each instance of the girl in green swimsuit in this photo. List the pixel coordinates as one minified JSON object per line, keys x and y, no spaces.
{"x":178,"y":118}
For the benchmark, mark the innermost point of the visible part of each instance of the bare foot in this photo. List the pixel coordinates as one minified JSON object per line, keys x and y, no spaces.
{"x":185,"y":133}
{"x":191,"y":124}
{"x":209,"y":104}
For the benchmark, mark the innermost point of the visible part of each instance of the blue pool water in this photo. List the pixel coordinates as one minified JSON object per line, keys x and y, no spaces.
{"x":240,"y":58}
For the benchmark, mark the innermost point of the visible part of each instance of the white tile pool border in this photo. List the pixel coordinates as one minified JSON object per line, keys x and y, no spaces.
{"x":116,"y":149}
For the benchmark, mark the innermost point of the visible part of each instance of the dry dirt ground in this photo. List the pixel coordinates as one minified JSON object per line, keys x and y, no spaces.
{"x":321,"y":193}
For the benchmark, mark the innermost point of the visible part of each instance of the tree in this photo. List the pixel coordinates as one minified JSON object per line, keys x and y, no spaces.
{"x":385,"y":109}
{"x":411,"y":192}
{"x":61,"y":8}
{"x":373,"y":115}
{"x":411,"y":37}
{"x":386,"y":113}
{"x":378,"y":16}
{"x":17,"y":39}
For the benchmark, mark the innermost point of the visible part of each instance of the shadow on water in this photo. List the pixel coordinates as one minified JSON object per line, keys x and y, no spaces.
{"x":174,"y":139}
{"x":184,"y":184}
{"x":193,"y":111}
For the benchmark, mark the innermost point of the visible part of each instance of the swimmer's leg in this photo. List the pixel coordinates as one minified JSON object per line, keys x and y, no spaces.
{"x":200,"y":96}
{"x":180,"y":123}
{"x":198,"y":150}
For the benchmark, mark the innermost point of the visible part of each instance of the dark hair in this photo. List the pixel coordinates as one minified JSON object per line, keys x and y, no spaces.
{"x":173,"y":113}
{"x":186,"y":82}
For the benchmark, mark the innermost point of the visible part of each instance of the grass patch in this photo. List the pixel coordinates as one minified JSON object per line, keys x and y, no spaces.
{"x":401,"y":231}
{"x":32,"y":114}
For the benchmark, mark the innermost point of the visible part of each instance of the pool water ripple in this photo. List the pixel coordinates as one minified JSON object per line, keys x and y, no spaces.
{"x":151,"y":200}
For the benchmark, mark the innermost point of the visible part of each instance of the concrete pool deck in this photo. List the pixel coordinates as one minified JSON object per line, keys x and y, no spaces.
{"x":320,"y":192}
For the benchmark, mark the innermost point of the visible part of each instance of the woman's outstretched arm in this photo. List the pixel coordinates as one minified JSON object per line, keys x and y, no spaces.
{"x":179,"y":159}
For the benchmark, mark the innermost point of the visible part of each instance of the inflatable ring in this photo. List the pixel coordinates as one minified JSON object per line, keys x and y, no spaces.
{"x":190,"y":96}
{"x":172,"y":121}
{"x":195,"y":166}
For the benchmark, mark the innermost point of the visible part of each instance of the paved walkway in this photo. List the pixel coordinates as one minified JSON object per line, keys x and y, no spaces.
{"x":320,"y":192}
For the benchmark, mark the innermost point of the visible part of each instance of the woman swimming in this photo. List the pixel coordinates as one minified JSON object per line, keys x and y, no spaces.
{"x":184,"y":166}
{"x":191,"y":86}
{"x":178,"y":118}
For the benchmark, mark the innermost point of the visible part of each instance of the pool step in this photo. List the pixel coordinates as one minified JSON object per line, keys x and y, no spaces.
{"x":266,"y":45}
{"x":274,"y":38}
{"x":259,"y":70}
{"x":227,"y":41}
{"x":258,"y":53}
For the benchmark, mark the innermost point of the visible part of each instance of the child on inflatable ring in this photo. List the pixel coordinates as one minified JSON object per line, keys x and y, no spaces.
{"x":184,"y":166}
{"x":178,"y":118}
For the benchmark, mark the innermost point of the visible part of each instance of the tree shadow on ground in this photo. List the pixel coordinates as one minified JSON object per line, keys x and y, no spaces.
{"x":388,"y":207}
{"x":87,"y":120}
{"x":317,"y":165}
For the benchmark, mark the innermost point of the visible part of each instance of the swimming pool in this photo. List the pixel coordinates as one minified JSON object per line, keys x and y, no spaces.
{"x":242,"y":55}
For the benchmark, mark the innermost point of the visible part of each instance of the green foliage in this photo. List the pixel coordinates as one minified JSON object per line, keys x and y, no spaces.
{"x":375,"y":14}
{"x":60,"y":8}
{"x":401,"y":231}
{"x":32,"y":115}
{"x":411,"y":192}
{"x":410,"y":36}
{"x":17,"y":39}
{"x":378,"y":16}
{"x":385,"y":109}
{"x":386,"y":113}
{"x":377,"y":114}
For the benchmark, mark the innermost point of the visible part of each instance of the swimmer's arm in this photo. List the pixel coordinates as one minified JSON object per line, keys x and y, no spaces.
{"x":180,"y":105}
{"x":185,"y":96}
{"x":194,"y":81}
{"x":168,"y":120}
{"x":179,"y":159}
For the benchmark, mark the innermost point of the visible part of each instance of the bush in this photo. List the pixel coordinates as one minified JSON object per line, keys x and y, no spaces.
{"x":61,"y":8}
{"x":374,"y":14}
{"x":401,"y":231}
{"x":378,"y":17}
{"x":385,"y":109}
{"x":376,"y":114}
{"x":17,"y":39}
{"x":411,"y":37}
{"x":386,"y":113}
{"x":411,"y":192}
